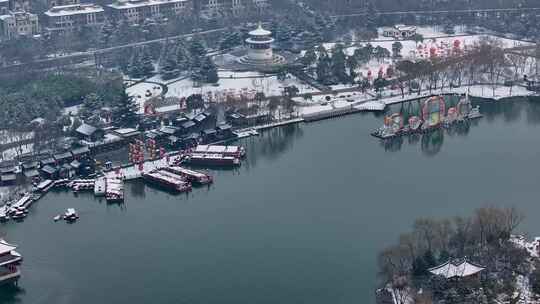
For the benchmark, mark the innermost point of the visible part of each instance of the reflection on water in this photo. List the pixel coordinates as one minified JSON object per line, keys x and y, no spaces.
{"x":137,"y":189}
{"x":271,"y":144}
{"x":11,"y":294}
{"x":509,"y":110}
{"x":432,"y":142}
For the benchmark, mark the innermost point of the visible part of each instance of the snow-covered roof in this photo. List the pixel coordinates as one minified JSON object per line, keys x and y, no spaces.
{"x":6,"y":247}
{"x":73,"y":9}
{"x":456,"y":268}
{"x":402,"y":27}
{"x":86,"y":129}
{"x":140,"y":3}
{"x":259,"y":31}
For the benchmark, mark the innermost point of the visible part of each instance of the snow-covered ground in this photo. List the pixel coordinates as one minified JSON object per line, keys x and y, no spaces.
{"x":248,"y":83}
{"x":236,"y":82}
{"x":229,"y":83}
{"x":142,"y":92}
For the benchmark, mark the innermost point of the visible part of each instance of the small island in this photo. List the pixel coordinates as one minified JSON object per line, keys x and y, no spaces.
{"x":474,"y":259}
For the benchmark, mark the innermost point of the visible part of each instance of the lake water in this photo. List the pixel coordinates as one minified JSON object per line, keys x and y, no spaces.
{"x":301,"y":221}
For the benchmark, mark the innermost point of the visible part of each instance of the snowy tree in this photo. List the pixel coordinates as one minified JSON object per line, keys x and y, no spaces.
{"x":209,"y":71}
{"x":324,"y":68}
{"x":169,"y":67}
{"x":338,"y":64}
{"x":309,"y":58}
{"x":125,"y":111}
{"x":147,"y":65}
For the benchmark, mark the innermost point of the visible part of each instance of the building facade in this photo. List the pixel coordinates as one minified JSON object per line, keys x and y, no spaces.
{"x":16,"y":24}
{"x":19,"y":5}
{"x":223,"y":8}
{"x":399,"y":31}
{"x":53,"y":3}
{"x":136,"y":11}
{"x":74,"y":16}
{"x":4,"y":7}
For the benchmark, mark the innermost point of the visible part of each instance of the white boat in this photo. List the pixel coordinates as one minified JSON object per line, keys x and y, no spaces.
{"x":57,"y":218}
{"x":474,"y":113}
{"x":4,"y":213}
{"x":100,"y":186}
{"x":18,"y":215}
{"x":114,"y":191}
{"x":71,"y":215}
{"x":45,"y":185}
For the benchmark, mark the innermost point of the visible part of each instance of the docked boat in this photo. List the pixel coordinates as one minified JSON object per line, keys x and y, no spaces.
{"x":9,"y":262}
{"x":57,"y":218}
{"x":100,"y":186}
{"x":62,"y":183}
{"x":212,"y":160}
{"x":167,"y":180}
{"x":234,"y":151}
{"x":18,"y":215}
{"x":194,"y":177}
{"x":114,"y":190}
{"x":71,"y":215}
{"x":19,"y":209}
{"x":82,"y":185}
{"x":474,"y":113}
{"x":44,"y":186}
{"x":4,"y":216}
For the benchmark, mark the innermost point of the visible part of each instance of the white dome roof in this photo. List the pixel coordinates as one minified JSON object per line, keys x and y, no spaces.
{"x":260,"y":31}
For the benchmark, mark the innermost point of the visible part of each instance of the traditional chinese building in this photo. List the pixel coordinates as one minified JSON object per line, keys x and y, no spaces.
{"x":399,"y":31}
{"x":457,"y":269}
{"x":9,"y":261}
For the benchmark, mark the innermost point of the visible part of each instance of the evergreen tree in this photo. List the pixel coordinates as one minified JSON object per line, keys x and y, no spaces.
{"x":170,"y":69}
{"x":196,"y":48}
{"x":309,"y":57}
{"x":125,"y":111}
{"x":209,"y":71}
{"x":429,"y":259}
{"x":134,"y":68}
{"x":352,"y":65}
{"x":419,"y":267}
{"x":91,"y":103}
{"x":146,"y":63}
{"x":338,"y":64}
{"x":182,"y":58}
{"x":324,"y":68}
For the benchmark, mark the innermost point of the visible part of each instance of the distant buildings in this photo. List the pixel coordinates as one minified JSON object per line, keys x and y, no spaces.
{"x":73,"y":16}
{"x":16,"y":20}
{"x":68,"y":15}
{"x":400,"y":31}
{"x":221,"y":8}
{"x":20,"y":23}
{"x":136,"y":11}
{"x":4,"y":7}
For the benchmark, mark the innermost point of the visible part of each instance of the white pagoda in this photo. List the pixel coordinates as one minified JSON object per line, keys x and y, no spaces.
{"x":259,"y":49}
{"x":9,"y":260}
{"x":259,"y":45}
